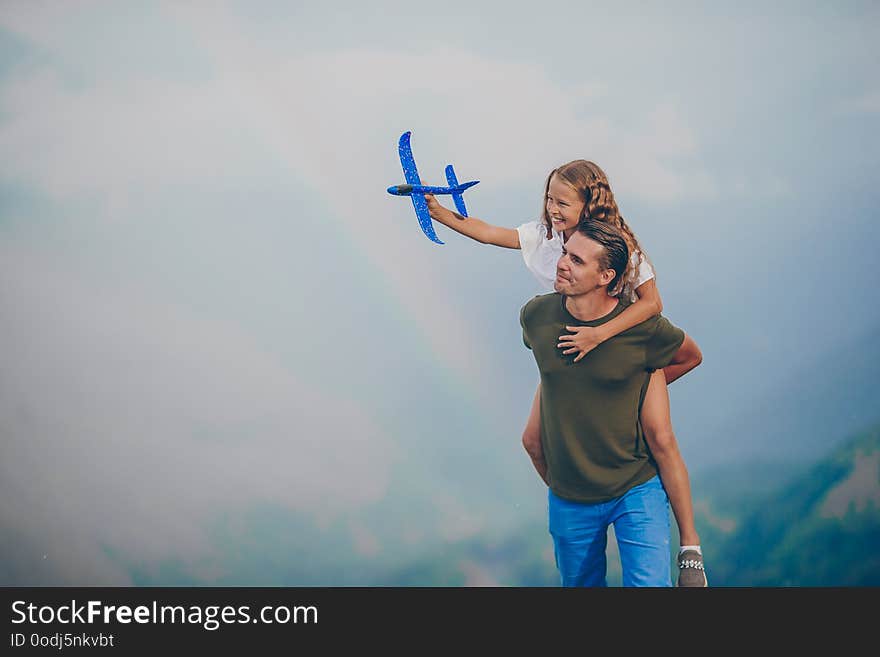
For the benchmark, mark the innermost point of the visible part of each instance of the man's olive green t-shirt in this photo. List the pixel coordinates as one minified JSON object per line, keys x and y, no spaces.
{"x":590,"y":431}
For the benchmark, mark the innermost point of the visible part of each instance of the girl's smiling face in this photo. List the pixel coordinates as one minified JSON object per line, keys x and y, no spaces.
{"x":564,"y":205}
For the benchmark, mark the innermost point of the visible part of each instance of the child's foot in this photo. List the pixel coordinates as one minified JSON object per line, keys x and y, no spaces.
{"x":690,"y":569}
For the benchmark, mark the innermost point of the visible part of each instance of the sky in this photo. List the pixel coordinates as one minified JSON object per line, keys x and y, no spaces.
{"x":210,"y":303}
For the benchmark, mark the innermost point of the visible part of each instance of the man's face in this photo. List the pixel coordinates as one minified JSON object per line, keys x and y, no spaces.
{"x":578,"y":271}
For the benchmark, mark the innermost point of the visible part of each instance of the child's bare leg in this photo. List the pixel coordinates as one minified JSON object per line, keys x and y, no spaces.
{"x":531,"y":438}
{"x":657,"y":425}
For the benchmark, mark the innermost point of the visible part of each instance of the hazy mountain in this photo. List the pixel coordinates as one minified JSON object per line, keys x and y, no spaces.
{"x":805,"y":513}
{"x":761,"y":524}
{"x":821,"y":527}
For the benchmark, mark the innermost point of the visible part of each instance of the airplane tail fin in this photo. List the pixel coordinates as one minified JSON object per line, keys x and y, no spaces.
{"x":456,"y":195}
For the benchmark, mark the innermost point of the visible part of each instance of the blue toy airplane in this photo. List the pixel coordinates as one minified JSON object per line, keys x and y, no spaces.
{"x":416,"y":190}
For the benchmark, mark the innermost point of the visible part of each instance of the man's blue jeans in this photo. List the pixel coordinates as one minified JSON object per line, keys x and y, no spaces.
{"x":641,"y":524}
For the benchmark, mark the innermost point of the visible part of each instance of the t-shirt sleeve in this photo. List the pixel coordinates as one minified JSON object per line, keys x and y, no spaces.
{"x":645,"y":271}
{"x":663,"y":344}
{"x":522,"y":323}
{"x":529,"y":241}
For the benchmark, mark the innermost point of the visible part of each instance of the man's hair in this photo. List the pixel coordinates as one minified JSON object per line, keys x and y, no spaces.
{"x":615,"y":253}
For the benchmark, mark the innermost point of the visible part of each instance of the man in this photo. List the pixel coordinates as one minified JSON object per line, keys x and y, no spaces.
{"x":599,"y":468}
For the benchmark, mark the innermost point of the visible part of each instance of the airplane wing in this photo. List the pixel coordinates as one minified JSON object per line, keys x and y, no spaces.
{"x":421,"y":206}
{"x":412,"y":177}
{"x":406,"y":160}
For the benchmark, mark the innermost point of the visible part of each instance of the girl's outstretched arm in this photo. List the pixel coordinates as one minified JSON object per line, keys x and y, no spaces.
{"x":584,"y":339}
{"x":476,"y":229}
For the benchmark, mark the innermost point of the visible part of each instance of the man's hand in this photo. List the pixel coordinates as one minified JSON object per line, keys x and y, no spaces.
{"x":582,"y":341}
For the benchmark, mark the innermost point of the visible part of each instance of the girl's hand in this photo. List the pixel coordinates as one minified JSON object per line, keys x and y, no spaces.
{"x":438,"y":212}
{"x":582,"y":341}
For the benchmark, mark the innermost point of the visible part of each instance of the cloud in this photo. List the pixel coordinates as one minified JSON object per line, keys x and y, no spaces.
{"x":868,"y":103}
{"x":330,"y":121}
{"x":42,"y":23}
{"x":129,"y":423}
{"x":857,"y":493}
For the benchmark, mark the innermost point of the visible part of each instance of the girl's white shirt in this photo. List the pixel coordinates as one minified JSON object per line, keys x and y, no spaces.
{"x":541,"y":256}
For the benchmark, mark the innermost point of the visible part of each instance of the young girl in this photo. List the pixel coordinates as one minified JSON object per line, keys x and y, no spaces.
{"x":580,"y":190}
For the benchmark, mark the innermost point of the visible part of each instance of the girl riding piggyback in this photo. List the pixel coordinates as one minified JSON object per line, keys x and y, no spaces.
{"x":579,"y":190}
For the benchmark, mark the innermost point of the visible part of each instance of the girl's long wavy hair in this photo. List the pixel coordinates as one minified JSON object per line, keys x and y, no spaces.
{"x":592,"y":184}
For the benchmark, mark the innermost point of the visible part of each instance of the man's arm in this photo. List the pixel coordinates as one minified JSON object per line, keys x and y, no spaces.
{"x":685,"y":359}
{"x":531,"y":438}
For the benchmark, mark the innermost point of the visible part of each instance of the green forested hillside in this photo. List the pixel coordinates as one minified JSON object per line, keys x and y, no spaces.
{"x":821,"y":527}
